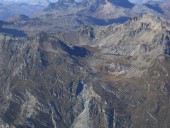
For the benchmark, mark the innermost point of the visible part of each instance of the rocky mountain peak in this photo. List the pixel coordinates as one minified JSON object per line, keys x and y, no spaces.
{"x":94,"y":3}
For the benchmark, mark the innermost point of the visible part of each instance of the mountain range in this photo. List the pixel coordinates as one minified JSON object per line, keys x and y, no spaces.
{"x":101,"y":77}
{"x":69,"y":14}
{"x":29,"y":7}
{"x":46,"y":2}
{"x":86,"y":64}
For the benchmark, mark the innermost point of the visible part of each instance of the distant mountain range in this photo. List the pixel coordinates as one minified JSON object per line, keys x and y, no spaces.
{"x":10,"y":8}
{"x":70,"y":14}
{"x":46,"y":2}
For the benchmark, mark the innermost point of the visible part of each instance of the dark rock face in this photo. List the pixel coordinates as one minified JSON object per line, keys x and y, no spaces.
{"x":80,"y":87}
